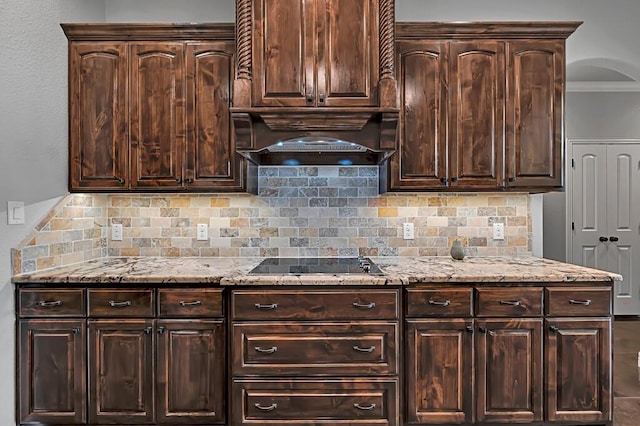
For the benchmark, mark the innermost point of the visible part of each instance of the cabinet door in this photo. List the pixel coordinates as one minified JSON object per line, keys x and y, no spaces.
{"x":579,"y":379}
{"x":535,"y":104}
{"x":509,"y":371}
{"x":157,"y":115}
{"x":121,"y":371}
{"x":52,"y":378}
{"x":283,"y":52}
{"x":191,"y":372}
{"x":476,"y":108}
{"x":212,"y":162}
{"x":439,"y":371}
{"x":98,"y":150}
{"x":348,"y":51}
{"x":421,"y":159}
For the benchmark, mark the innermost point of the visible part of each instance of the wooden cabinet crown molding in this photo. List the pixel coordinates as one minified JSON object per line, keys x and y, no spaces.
{"x":148,"y":31}
{"x":486,"y":29}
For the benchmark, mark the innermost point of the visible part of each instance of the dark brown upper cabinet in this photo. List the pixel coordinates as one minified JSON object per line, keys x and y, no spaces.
{"x":481,"y":106}
{"x":150,"y":108}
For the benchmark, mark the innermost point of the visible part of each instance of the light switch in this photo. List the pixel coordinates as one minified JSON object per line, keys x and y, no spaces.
{"x":15,"y":213}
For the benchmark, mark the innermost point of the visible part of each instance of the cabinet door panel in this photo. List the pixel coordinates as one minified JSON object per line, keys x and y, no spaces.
{"x":578,"y":369}
{"x":98,"y":154}
{"x":509,"y":370}
{"x":212,"y":162}
{"x":476,"y":114}
{"x":420,"y":162}
{"x":535,"y":113}
{"x":191,"y":372}
{"x":157,"y":114}
{"x":121,"y":371}
{"x":439,"y":371}
{"x":52,"y":383}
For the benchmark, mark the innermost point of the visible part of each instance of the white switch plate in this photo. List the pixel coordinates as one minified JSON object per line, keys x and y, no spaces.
{"x":498,"y":231}
{"x":116,"y":232}
{"x":202,"y":232}
{"x":407,"y":231}
{"x":15,"y":213}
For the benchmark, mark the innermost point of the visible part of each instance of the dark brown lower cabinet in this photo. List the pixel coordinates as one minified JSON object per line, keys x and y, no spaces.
{"x":51,"y":362}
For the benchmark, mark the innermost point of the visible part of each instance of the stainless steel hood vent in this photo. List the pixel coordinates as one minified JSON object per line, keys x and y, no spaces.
{"x":311,"y":144}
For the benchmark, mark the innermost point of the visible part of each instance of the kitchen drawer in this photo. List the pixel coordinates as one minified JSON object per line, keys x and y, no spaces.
{"x":316,"y":348}
{"x":370,"y":304}
{"x":190,"y":302}
{"x":578,"y":301}
{"x":51,"y":302}
{"x":509,"y":302}
{"x":121,"y":303}
{"x":297,"y":402}
{"x":445,"y":302}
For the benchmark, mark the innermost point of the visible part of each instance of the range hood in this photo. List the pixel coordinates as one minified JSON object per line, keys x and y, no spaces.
{"x":317,"y":136}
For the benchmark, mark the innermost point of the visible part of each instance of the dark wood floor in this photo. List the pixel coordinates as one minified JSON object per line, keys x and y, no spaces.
{"x":626,"y":373}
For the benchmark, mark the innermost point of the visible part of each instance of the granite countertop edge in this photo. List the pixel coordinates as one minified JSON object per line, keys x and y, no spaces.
{"x":235,"y":272}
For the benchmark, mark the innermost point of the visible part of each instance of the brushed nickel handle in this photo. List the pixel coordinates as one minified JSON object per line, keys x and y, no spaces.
{"x":194,"y":303}
{"x":436,"y":303}
{"x":46,"y":304}
{"x":267,"y":408}
{"x":364,"y":305}
{"x":580,"y":302}
{"x":115,"y":304}
{"x":368,"y":350}
{"x":271,"y":350}
{"x":266,"y":306}
{"x":364,"y":407}
{"x":511,"y":302}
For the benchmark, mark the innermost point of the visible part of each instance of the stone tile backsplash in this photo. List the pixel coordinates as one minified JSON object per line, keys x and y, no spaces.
{"x":299,"y":211}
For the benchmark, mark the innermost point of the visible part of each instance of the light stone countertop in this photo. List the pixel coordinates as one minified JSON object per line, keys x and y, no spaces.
{"x":234,"y":271}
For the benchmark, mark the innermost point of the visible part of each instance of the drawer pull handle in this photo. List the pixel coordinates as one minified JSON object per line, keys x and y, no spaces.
{"x":436,"y":303}
{"x":511,"y":302}
{"x":194,"y":303}
{"x":364,"y":305}
{"x":266,"y":307}
{"x":115,"y":304}
{"x":267,"y":408}
{"x":364,"y":407}
{"x":46,"y":304}
{"x":271,"y":350}
{"x":580,"y":302}
{"x":368,"y":350}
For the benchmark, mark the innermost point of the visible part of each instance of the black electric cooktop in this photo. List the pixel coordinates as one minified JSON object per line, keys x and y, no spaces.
{"x":316,"y":265}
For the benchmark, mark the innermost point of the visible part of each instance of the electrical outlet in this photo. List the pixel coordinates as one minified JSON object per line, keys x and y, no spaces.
{"x":116,"y":232}
{"x":202,"y":232}
{"x":407,"y":231}
{"x":498,"y":231}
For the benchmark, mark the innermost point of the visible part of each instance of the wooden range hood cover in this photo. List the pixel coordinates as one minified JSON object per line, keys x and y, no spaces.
{"x":257,"y":128}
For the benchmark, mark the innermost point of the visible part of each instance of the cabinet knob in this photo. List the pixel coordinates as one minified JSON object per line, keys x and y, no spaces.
{"x":443,"y":180}
{"x":553,"y":328}
{"x":603,"y":239}
{"x":454,"y":179}
{"x":160,"y":330}
{"x":511,"y":179}
{"x":189,"y":180}
{"x":482,"y":330}
{"x":75,"y":330}
{"x":469,"y":329}
{"x":148,"y":330}
{"x":120,"y":181}
{"x":179,"y":180}
{"x":613,"y":239}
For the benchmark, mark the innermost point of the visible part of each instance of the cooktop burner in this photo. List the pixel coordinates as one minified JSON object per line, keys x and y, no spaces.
{"x":316,"y":265}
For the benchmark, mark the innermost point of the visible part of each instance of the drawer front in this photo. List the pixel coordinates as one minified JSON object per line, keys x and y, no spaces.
{"x":579,"y":301}
{"x":314,"y":304}
{"x":190,"y":302}
{"x":318,"y":402}
{"x":439,"y":302}
{"x":509,"y":302}
{"x":292,"y":348}
{"x":51,"y":302}
{"x":121,"y":303}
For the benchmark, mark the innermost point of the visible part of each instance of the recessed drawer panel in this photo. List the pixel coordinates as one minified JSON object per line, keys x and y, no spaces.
{"x":509,"y":302}
{"x":51,"y":302}
{"x":318,"y":402}
{"x":314,"y":304}
{"x":121,"y":303}
{"x":190,"y":302}
{"x":439,"y":302}
{"x":589,"y":301}
{"x":294,"y":348}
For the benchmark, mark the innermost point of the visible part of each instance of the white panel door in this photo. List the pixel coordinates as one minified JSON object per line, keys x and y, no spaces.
{"x":605,"y":204}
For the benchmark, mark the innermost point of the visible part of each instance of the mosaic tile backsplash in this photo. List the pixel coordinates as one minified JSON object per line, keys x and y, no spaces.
{"x":299,"y":211}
